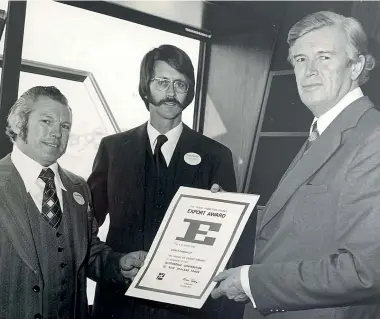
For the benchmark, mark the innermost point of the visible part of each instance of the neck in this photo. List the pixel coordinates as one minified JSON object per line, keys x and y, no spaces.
{"x":164,"y":125}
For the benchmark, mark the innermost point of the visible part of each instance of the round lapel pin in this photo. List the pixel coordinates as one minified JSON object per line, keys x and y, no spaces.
{"x":78,"y":198}
{"x":192,"y":158}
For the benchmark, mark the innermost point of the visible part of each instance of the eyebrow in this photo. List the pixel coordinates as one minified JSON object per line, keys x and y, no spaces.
{"x":318,"y":52}
{"x":46,"y":114}
{"x":327,"y":51}
{"x":165,"y":78}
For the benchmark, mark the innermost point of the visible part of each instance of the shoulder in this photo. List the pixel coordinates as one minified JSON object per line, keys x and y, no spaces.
{"x":122,"y":137}
{"x":6,"y":169}
{"x":365,"y":138}
{"x":369,"y":122}
{"x":206,"y":143}
{"x":74,"y":179}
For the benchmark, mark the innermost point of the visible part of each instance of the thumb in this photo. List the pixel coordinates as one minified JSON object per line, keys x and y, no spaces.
{"x":128,"y":263}
{"x":215,"y":188}
{"x":221,"y":276}
{"x":142,"y":255}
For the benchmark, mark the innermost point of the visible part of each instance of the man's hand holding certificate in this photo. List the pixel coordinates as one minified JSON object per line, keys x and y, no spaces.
{"x":196,"y":238}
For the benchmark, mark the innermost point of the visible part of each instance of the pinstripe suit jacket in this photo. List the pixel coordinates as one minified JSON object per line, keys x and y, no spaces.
{"x":318,"y":239}
{"x":19,"y":265}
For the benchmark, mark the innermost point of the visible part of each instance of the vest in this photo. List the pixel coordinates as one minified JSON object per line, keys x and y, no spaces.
{"x":55,"y":251}
{"x":159,"y":191}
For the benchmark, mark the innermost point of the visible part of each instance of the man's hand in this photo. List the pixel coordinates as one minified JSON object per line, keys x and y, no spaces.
{"x":229,"y":285}
{"x":216,"y":188}
{"x":131,"y":263}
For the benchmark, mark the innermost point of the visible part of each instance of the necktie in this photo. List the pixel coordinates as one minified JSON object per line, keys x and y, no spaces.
{"x":51,"y":210}
{"x":313,"y":136}
{"x":158,"y":156}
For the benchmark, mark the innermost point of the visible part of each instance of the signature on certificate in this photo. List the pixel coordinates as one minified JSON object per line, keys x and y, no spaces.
{"x":190,"y":280}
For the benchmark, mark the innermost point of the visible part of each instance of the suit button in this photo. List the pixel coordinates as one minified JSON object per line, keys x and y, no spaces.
{"x":62,"y":297}
{"x":63,"y":282}
{"x":58,"y":234}
{"x":60,"y":249}
{"x":63,"y":265}
{"x":37,"y":316}
{"x":36,"y":288}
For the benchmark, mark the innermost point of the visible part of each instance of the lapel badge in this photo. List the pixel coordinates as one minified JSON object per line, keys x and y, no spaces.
{"x":192,"y":158}
{"x":78,"y":198}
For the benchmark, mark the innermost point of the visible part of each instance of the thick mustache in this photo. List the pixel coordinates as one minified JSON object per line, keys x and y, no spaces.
{"x":169,"y":101}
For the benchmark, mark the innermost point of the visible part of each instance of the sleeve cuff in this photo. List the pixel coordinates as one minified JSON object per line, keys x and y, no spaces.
{"x":244,"y":278}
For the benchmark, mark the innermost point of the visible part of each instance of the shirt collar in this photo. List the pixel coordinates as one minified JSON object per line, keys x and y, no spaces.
{"x":29,"y":169}
{"x":172,"y":135}
{"x":325,"y":119}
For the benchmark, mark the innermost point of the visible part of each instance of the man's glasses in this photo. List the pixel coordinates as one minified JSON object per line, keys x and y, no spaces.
{"x":162,"y":84}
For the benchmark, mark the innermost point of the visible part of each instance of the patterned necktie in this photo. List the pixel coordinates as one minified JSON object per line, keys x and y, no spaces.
{"x":158,"y":156}
{"x":51,"y":210}
{"x":313,"y":136}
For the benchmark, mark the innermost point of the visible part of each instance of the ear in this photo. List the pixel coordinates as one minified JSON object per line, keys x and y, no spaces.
{"x":17,"y":128}
{"x":357,"y":67}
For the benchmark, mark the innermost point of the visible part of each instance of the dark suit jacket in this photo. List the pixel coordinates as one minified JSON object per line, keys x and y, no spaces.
{"x":19,"y":265}
{"x":118,"y":177}
{"x":318,"y":239}
{"x":118,"y":187}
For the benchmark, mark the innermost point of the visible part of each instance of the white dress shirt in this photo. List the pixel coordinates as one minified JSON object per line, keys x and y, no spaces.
{"x":325,"y":119}
{"x":29,"y":171}
{"x":168,"y":148}
{"x":322,"y":123}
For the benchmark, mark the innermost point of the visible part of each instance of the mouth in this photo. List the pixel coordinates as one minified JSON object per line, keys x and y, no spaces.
{"x":171,"y":103}
{"x":54,"y":145}
{"x":311,"y":86}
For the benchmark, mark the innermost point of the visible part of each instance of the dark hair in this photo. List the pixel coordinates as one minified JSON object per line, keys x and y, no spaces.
{"x":355,"y":34}
{"x":173,"y":56}
{"x":19,"y":113}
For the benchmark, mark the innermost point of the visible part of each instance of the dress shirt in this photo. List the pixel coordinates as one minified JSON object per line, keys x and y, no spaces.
{"x":325,"y":119}
{"x":322,"y":123}
{"x":29,"y":171}
{"x":168,"y":148}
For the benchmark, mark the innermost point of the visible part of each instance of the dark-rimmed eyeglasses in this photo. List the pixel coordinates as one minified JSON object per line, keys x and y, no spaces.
{"x":163,"y":84}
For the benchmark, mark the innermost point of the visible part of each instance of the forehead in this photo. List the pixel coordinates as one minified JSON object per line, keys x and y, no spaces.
{"x":47,"y":106}
{"x":162,"y":69}
{"x":330,"y":38}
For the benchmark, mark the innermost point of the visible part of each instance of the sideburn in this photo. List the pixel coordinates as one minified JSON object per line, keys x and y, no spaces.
{"x":24,"y":128}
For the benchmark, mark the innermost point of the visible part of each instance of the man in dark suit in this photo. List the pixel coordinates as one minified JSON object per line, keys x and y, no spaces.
{"x":317,"y":251}
{"x":136,"y":174}
{"x":48,"y":242}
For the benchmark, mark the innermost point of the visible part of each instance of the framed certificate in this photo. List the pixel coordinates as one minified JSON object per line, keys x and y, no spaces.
{"x":193,"y":244}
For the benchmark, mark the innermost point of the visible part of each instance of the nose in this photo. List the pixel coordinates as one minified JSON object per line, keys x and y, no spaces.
{"x":170,"y":91}
{"x":311,"y":68}
{"x":56,"y":131}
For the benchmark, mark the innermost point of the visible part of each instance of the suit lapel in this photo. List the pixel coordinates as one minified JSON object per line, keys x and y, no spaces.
{"x":78,"y":214}
{"x":131,"y":160}
{"x":307,"y":165}
{"x":14,"y":218}
{"x":187,"y":143}
{"x":296,"y":159}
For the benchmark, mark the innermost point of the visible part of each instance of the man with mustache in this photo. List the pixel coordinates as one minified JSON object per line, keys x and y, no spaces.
{"x":136,"y":174}
{"x":317,"y":251}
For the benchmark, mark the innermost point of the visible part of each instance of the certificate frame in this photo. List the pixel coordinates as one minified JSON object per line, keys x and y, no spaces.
{"x":139,"y":287}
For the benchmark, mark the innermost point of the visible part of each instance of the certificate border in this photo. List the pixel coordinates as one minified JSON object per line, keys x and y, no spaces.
{"x":138,"y":286}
